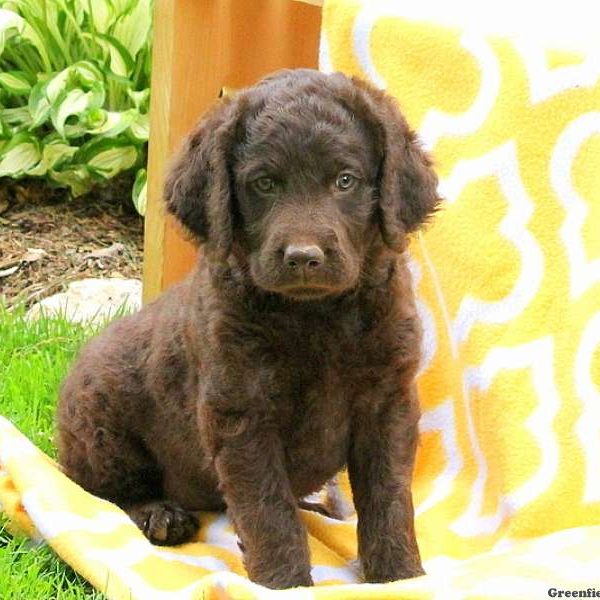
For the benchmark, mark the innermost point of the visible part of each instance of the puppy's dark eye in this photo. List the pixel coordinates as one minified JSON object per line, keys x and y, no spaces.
{"x":264,"y":185}
{"x":345,"y":181}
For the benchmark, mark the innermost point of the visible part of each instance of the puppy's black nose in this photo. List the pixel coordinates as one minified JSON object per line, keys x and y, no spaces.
{"x":297,"y":257}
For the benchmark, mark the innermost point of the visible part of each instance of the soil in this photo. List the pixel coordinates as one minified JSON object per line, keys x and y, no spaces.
{"x":48,"y":239}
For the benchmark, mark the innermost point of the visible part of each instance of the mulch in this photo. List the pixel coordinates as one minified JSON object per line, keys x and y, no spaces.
{"x":48,"y":240}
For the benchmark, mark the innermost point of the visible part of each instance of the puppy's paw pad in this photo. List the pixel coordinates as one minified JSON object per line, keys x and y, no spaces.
{"x":166,"y":523}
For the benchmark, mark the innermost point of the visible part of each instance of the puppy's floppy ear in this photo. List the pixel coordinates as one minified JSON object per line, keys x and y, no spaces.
{"x":197,"y":189}
{"x":407,"y":183}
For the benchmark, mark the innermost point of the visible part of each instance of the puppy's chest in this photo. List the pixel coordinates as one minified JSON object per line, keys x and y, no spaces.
{"x":313,"y":413}
{"x":320,"y":366}
{"x":316,"y":381}
{"x":310,"y":398}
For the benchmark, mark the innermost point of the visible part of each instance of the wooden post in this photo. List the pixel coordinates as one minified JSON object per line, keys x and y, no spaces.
{"x":200,"y":47}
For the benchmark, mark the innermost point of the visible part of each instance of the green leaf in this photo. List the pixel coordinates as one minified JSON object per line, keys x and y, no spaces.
{"x":75,"y":102}
{"x":77,"y":9}
{"x":42,"y":47}
{"x":132,"y":29}
{"x":16,"y":118}
{"x":121,"y":82}
{"x":115,"y":123}
{"x":39,"y":105}
{"x":101,"y":13}
{"x":147,"y":70}
{"x":56,"y":28}
{"x":75,"y":130}
{"x":52,"y":48}
{"x":140,"y":99}
{"x":56,"y":152}
{"x":55,"y":86}
{"x":77,"y":178}
{"x":37,"y":171}
{"x":120,"y":61}
{"x":140,"y":128}
{"x":5,"y":131}
{"x":82,"y":74}
{"x":15,"y":82}
{"x":139,"y":192}
{"x":114,"y":160}
{"x":9,"y":19}
{"x":88,"y":73}
{"x":20,"y":156}
{"x":122,"y":6}
{"x":11,"y":24}
{"x":106,"y":157}
{"x":94,"y":118}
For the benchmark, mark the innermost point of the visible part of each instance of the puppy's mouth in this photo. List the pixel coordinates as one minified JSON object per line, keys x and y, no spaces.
{"x":307,"y":292}
{"x":300,"y":284}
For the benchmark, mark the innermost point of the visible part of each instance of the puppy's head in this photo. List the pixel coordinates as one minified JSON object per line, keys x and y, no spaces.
{"x":302,"y":174}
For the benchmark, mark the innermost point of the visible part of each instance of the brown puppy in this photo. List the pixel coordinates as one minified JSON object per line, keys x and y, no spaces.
{"x":289,"y":353}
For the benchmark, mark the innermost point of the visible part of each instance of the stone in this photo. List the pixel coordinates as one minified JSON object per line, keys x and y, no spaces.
{"x":92,"y":300}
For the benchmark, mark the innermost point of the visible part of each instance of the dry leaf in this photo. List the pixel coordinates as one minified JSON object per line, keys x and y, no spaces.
{"x":33,"y":254}
{"x":113,"y":250}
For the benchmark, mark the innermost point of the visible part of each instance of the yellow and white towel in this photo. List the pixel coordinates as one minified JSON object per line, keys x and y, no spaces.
{"x":99,"y":541}
{"x":507,"y":484}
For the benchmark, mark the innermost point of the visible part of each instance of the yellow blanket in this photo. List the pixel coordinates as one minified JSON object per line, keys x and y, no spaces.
{"x":507,"y":486}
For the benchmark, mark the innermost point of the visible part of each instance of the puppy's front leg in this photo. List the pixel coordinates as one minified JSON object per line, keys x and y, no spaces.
{"x":380,"y":468}
{"x":249,"y":460}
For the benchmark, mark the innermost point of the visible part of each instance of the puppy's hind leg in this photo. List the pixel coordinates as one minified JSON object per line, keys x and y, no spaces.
{"x":118,"y":467}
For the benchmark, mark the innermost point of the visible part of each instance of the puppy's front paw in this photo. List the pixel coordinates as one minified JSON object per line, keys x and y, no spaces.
{"x":388,"y":561}
{"x":164,"y":523}
{"x":382,"y":572}
{"x":292,"y":577}
{"x":279,"y":569}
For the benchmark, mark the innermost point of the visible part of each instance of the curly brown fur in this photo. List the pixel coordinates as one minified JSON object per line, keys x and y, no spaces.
{"x":292,"y":348}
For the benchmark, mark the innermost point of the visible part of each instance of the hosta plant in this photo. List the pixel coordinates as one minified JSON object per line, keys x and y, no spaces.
{"x":74,"y":91}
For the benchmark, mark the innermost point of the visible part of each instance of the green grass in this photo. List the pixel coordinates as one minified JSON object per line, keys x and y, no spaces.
{"x":34,"y":358}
